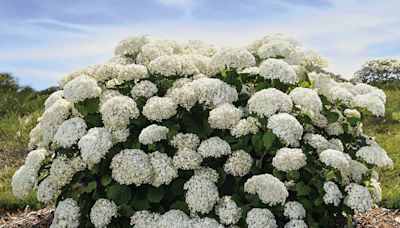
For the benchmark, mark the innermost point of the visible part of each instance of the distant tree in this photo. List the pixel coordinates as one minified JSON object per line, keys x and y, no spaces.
{"x":379,"y":70}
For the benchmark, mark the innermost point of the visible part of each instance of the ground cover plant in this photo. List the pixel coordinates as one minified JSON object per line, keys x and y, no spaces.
{"x":187,"y":135}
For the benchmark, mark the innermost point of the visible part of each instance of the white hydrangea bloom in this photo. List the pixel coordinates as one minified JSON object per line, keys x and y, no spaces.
{"x":66,"y":214}
{"x":358,"y":197}
{"x":267,"y":102}
{"x":371,"y":103}
{"x":335,"y":159}
{"x":183,"y":65}
{"x":120,"y":135}
{"x":163,"y":169}
{"x":224,"y":116}
{"x":362,"y":88}
{"x":47,"y":190}
{"x":174,"y":218}
{"x":205,"y":222}
{"x":108,"y":94}
{"x":23,"y":181}
{"x":319,"y":120}
{"x":296,"y":223}
{"x":238,"y":163}
{"x":199,"y":47}
{"x":152,"y":50}
{"x":269,"y":189}
{"x":131,"y":72}
{"x":103,"y":72}
{"x":201,"y":195}
{"x":102,"y":212}
{"x":131,"y":166}
{"x":278,"y":69}
{"x":214,"y":147}
{"x":234,"y":58}
{"x":53,"y":98}
{"x":294,"y":210}
{"x":35,"y":158}
{"x":95,"y":145}
{"x":185,"y":141}
{"x":117,"y":112}
{"x":357,"y":170}
{"x":340,"y":94}
{"x":334,"y":129}
{"x":352,"y":113}
{"x":144,"y":89}
{"x":70,"y":131}
{"x":153,"y":133}
{"x":51,"y":119}
{"x":207,"y":173}
{"x":187,"y":159}
{"x":274,"y":38}
{"x":374,"y":155}
{"x":213,"y":92}
{"x":81,"y":88}
{"x":336,"y":144}
{"x":159,"y":108}
{"x":227,"y":211}
{"x":376,"y":190}
{"x":333,"y":195}
{"x":287,"y":159}
{"x":63,"y":169}
{"x":184,"y":96}
{"x":306,"y":57}
{"x":317,"y":142}
{"x":250,"y":70}
{"x":131,"y":46}
{"x":286,"y":127}
{"x":250,"y":125}
{"x":306,"y":98}
{"x":261,"y":218}
{"x":275,"y":48}
{"x":145,"y":219}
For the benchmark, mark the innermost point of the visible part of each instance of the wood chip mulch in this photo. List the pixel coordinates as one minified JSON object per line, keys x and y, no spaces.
{"x":375,"y":218}
{"x":27,"y":218}
{"x":378,"y":218}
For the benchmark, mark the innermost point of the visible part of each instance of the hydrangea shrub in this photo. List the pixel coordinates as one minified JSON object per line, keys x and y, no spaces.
{"x":186,"y":135}
{"x":379,"y":70}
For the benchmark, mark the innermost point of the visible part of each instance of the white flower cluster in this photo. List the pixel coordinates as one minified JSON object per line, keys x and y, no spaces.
{"x":66,"y":214}
{"x":238,"y":163}
{"x":70,"y":131}
{"x":159,"y":108}
{"x":185,"y":141}
{"x":202,"y":193}
{"x":286,"y":127}
{"x":183,"y":65}
{"x":95,"y":145}
{"x":81,"y":88}
{"x":333,"y":195}
{"x":260,"y":217}
{"x":102,"y":212}
{"x":227,"y":211}
{"x":358,"y":197}
{"x":153,"y":133}
{"x":278,"y":69}
{"x":335,"y":159}
{"x":269,"y":189}
{"x":224,"y":116}
{"x":267,"y":102}
{"x":374,"y":155}
{"x":250,"y":125}
{"x":306,"y":98}
{"x":144,"y":89}
{"x":287,"y":159}
{"x":214,"y":147}
{"x":234,"y":58}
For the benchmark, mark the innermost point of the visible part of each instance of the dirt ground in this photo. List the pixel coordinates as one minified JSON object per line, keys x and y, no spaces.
{"x":375,"y":218}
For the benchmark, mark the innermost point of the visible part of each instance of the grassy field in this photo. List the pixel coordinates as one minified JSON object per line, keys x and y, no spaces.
{"x":20,"y":108}
{"x":387,"y":133}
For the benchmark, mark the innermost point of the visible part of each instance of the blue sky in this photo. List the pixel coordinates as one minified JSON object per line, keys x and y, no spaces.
{"x":40,"y":40}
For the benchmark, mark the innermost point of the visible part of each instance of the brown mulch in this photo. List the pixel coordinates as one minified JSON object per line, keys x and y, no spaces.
{"x":27,"y":218}
{"x":375,"y":218}
{"x":378,"y":218}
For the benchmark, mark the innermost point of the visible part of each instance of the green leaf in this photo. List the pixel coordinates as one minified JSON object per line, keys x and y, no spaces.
{"x":278,"y":174}
{"x":332,"y":117}
{"x":120,"y":194}
{"x":329,"y":175}
{"x":268,"y":139}
{"x":257,"y":141}
{"x":302,"y":189}
{"x":126,"y":210}
{"x":353,"y":120}
{"x":294,"y":175}
{"x":318,"y":201}
{"x":177,"y":187}
{"x":88,"y":106}
{"x":91,"y":186}
{"x":155,"y":195}
{"x":180,"y":205}
{"x":106,"y":180}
